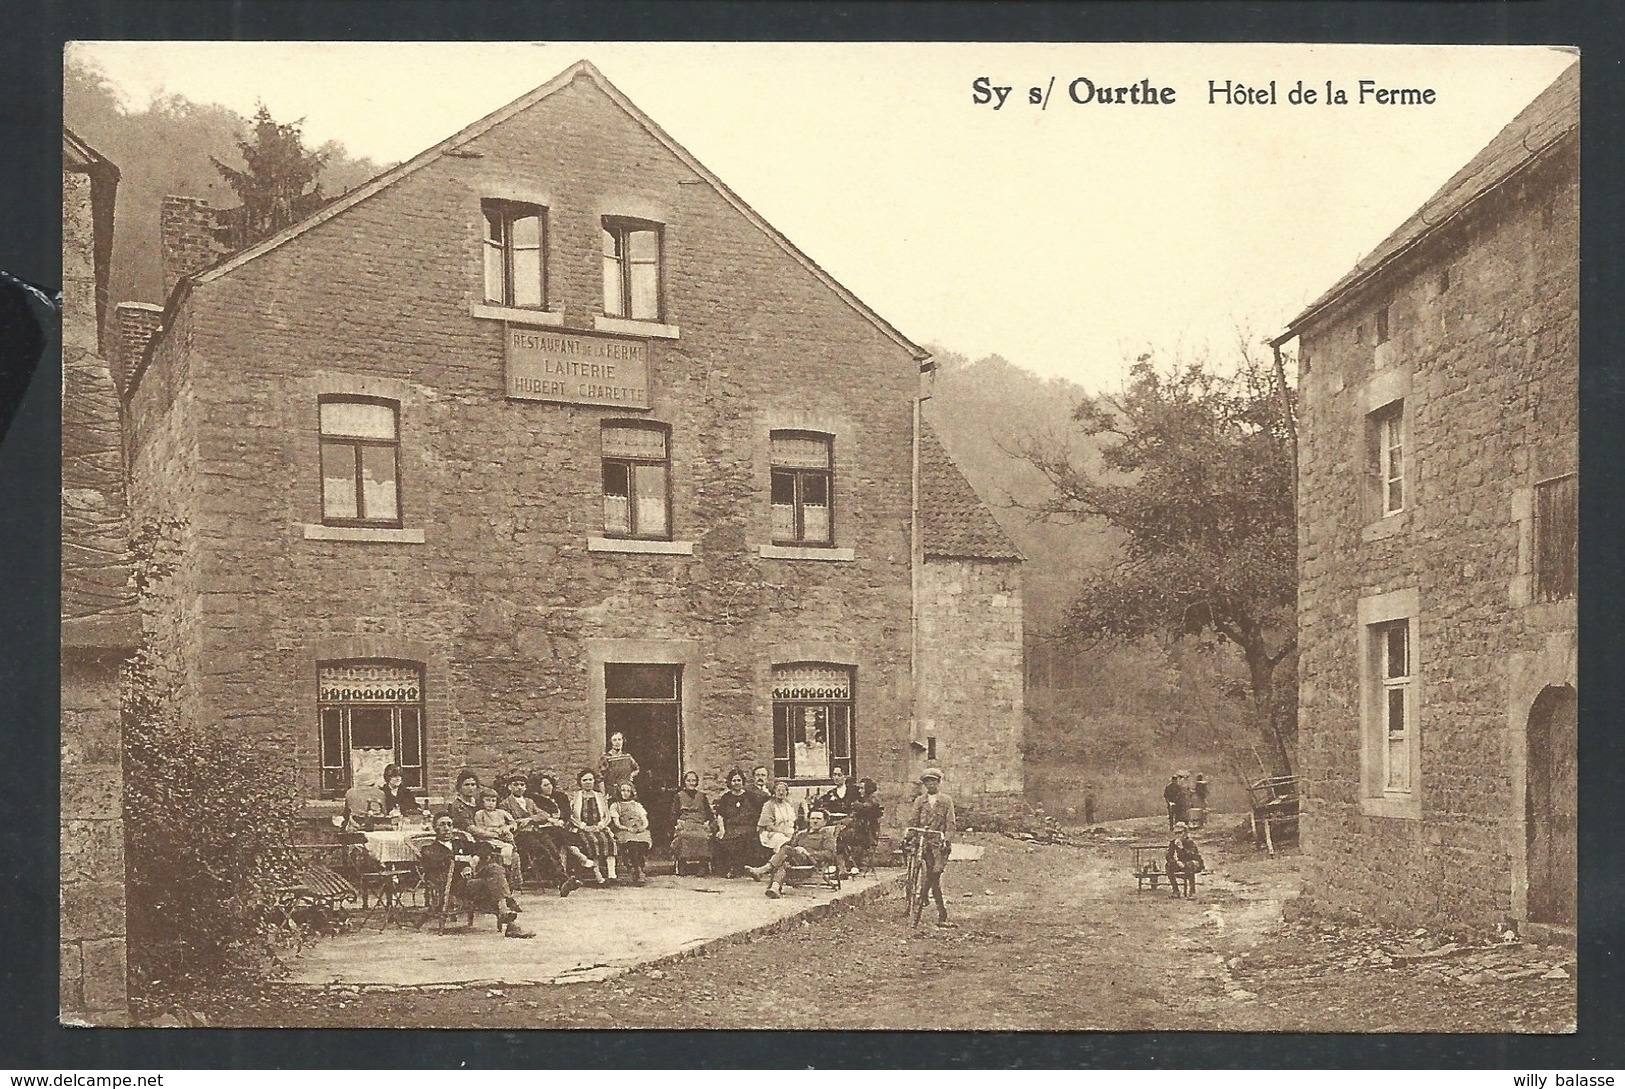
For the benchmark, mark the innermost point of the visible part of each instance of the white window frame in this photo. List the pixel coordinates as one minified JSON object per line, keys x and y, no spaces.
{"x":1390,"y":424}
{"x":1389,"y":791}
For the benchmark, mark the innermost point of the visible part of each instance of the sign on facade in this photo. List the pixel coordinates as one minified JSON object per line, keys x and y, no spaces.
{"x":577,"y":368}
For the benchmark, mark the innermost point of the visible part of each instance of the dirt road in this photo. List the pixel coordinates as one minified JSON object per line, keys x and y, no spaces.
{"x":1048,"y":938}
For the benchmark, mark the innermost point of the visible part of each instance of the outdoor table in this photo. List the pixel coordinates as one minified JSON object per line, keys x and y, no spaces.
{"x":396,"y":852}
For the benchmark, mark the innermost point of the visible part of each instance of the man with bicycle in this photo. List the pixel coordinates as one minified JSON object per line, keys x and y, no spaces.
{"x":933,"y":821}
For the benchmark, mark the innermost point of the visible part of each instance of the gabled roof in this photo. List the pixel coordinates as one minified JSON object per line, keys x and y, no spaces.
{"x":954,"y":522}
{"x":580,"y":69}
{"x":1553,"y":114}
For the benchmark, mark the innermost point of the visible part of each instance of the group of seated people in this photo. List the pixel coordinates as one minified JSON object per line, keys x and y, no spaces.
{"x":757,"y":830}
{"x":590,"y":835}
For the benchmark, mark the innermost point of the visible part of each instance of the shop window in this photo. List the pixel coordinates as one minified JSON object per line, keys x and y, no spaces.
{"x":812,"y":721}
{"x":515,"y":249}
{"x":360,"y":452}
{"x":637,"y":480}
{"x":1385,"y":442}
{"x":1394,"y":705}
{"x":632,"y":253}
{"x":802,"y":488}
{"x":371,"y":715}
{"x":1557,"y":545}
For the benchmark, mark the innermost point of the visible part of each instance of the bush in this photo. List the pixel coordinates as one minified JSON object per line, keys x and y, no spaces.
{"x":209,"y":822}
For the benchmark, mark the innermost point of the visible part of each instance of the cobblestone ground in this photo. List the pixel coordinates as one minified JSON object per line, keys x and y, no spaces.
{"x":1049,"y":937}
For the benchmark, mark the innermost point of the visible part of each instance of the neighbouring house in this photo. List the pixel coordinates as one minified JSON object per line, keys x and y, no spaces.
{"x":1437,"y":547}
{"x":100,"y":627}
{"x":545,"y":434}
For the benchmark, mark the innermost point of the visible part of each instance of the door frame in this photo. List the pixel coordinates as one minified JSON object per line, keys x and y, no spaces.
{"x":685,"y":653}
{"x":1530,"y":673}
{"x":1559,"y":698}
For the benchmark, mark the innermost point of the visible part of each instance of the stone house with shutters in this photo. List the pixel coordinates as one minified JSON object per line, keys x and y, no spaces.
{"x":100,"y":628}
{"x":543,"y":435}
{"x":1437,"y":546}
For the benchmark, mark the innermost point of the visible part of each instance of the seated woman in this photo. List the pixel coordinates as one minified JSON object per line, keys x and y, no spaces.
{"x":399,"y":800}
{"x":693,"y":824}
{"x":630,"y":823}
{"x":553,"y":828}
{"x":737,"y":811}
{"x":778,"y":820}
{"x":589,"y":823}
{"x":861,"y":831}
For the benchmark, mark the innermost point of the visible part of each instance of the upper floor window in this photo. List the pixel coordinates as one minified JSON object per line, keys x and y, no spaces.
{"x":1385,"y":437}
{"x":1382,"y":325}
{"x":515,"y":242}
{"x":632,"y":269}
{"x":637,"y":480}
{"x":1557,"y":543}
{"x":371,"y":716}
{"x":802,"y":488}
{"x":360,"y":450}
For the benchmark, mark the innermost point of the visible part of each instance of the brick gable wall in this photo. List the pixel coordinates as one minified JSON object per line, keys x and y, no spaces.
{"x":503,"y":602}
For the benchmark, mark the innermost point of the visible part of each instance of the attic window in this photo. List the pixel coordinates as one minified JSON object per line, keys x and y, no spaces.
{"x":632,"y":255}
{"x":515,"y":242}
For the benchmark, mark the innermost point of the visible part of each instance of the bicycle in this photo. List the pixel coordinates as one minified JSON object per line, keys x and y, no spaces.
{"x":916,"y":879}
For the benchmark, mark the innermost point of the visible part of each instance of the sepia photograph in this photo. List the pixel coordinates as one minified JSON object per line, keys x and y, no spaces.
{"x":910,"y":536}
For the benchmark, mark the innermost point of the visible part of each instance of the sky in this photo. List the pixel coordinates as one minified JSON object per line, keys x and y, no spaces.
{"x":1067,"y":237}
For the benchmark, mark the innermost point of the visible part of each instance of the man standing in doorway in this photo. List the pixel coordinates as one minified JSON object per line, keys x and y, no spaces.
{"x":934,"y":812}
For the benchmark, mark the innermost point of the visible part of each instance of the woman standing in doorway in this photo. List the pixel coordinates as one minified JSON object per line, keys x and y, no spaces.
{"x":617,"y":766}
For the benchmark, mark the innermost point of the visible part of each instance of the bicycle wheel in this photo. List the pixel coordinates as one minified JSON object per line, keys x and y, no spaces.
{"x":921,"y":881}
{"x":911,"y":885}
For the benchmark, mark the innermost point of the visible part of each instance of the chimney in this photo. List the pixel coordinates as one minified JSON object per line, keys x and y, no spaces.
{"x":134,"y":326}
{"x":189,"y":238}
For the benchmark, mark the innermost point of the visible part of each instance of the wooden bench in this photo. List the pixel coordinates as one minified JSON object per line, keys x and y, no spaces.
{"x":1149,"y":867}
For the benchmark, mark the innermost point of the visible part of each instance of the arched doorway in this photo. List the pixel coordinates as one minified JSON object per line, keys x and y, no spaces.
{"x":1550,"y":805}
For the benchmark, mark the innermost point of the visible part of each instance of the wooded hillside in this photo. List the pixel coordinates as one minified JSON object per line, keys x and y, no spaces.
{"x":162,"y":149}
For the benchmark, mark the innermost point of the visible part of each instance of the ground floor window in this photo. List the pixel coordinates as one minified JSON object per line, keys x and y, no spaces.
{"x":371,"y":716}
{"x":812,"y":720}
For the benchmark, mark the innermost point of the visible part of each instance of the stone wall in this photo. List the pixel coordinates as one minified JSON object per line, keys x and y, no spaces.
{"x":971,"y":673}
{"x":98,"y":633}
{"x":1483,"y":320}
{"x":510,"y":613}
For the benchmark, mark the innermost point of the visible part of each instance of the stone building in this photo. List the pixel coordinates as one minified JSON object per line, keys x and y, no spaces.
{"x":1437,"y":547}
{"x":545,"y":434}
{"x":99,"y":625}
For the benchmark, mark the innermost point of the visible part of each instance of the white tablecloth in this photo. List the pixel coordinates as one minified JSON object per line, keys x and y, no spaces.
{"x":399,"y":846}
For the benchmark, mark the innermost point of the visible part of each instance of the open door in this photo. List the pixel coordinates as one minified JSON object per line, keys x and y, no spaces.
{"x":643,"y":703}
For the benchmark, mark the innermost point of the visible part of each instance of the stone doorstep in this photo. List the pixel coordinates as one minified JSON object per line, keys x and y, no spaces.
{"x":597,"y":973}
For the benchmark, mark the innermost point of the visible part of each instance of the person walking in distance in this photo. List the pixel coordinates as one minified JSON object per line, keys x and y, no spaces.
{"x":934,"y":811}
{"x":1178,"y":799}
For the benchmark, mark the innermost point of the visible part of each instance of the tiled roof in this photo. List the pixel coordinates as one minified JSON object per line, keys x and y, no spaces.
{"x":1550,"y":117}
{"x":954,"y":522}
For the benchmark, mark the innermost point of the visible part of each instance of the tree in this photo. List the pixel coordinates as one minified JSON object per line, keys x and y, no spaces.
{"x":278,"y":187}
{"x":1196,"y":474}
